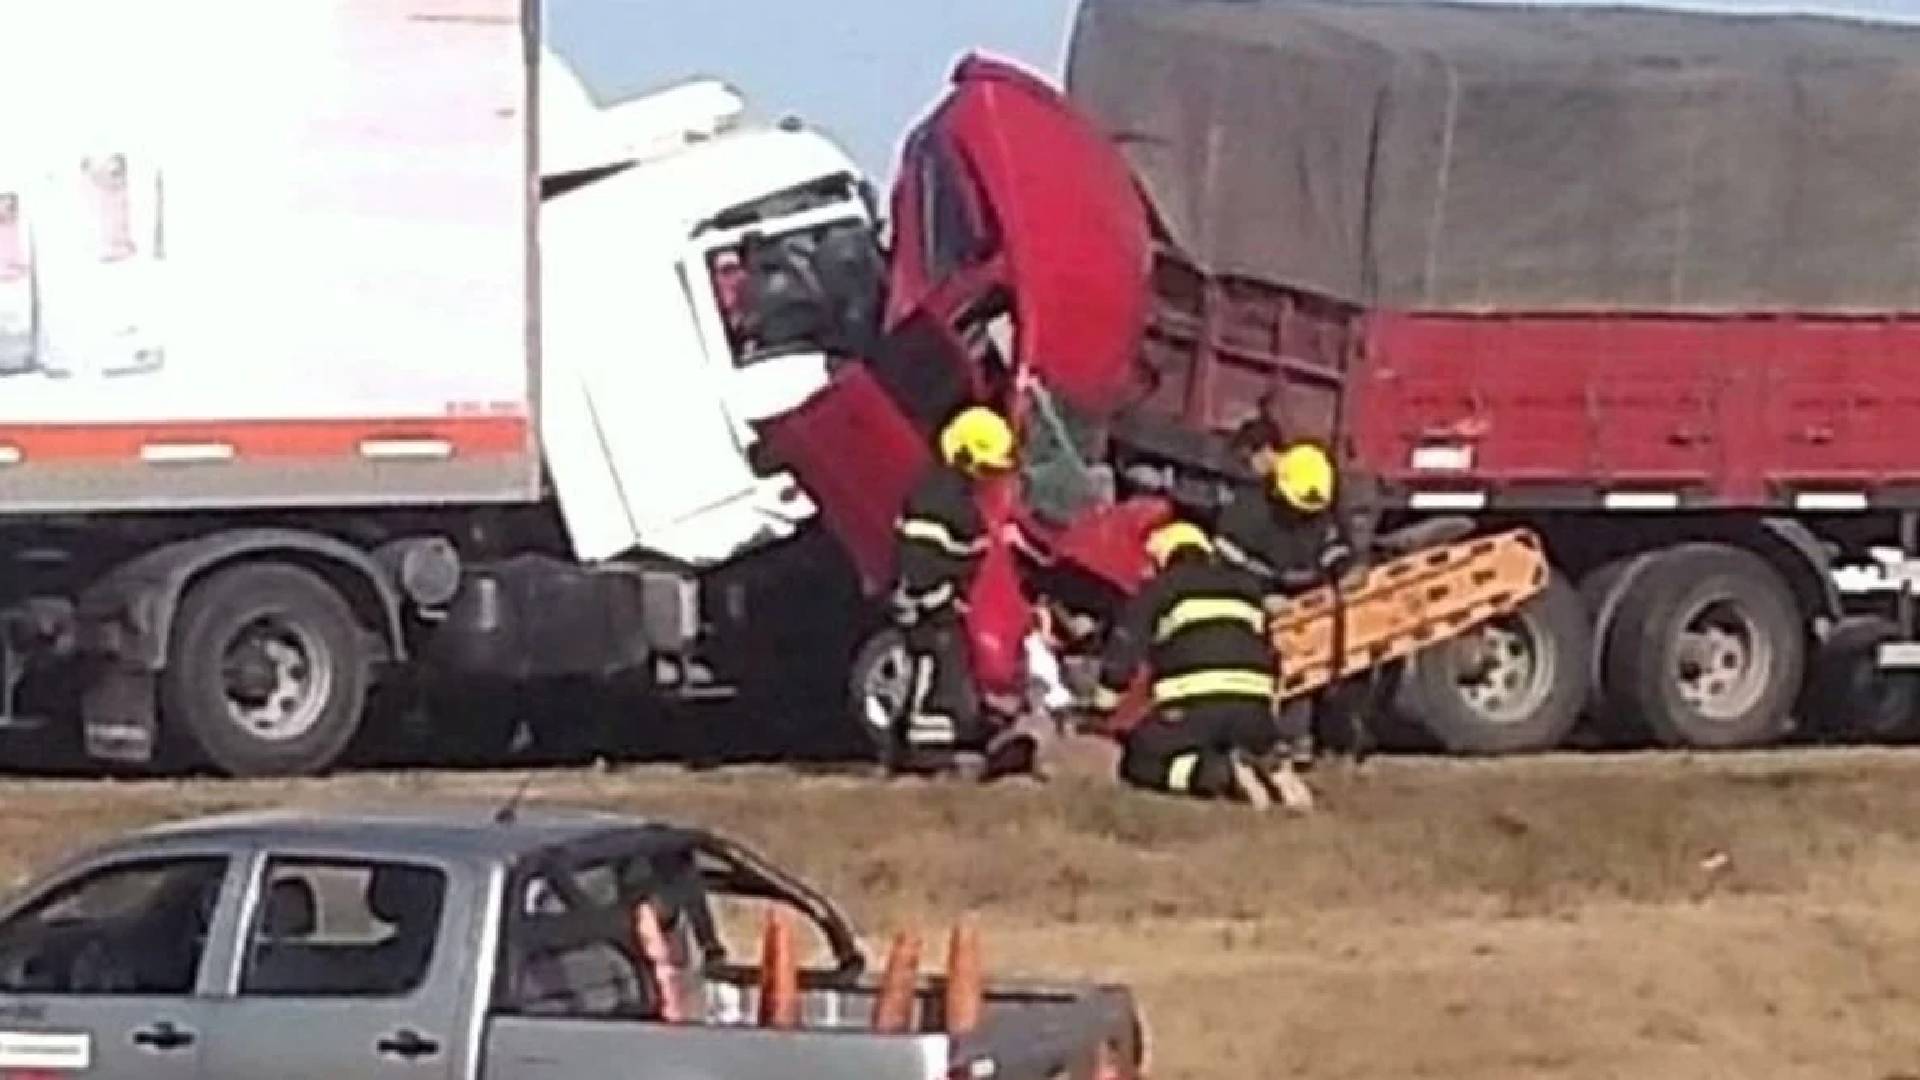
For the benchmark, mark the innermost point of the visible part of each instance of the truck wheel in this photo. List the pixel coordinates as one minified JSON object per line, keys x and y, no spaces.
{"x":881,"y":689}
{"x":1884,"y":710}
{"x":267,"y":672}
{"x":1849,"y":699}
{"x":1602,"y":590}
{"x":1707,"y":649}
{"x":1515,"y":686}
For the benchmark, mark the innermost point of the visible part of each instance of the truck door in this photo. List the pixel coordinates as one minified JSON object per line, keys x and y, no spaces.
{"x":105,"y":971}
{"x":349,"y":968}
{"x":763,"y":370}
{"x":638,"y":443}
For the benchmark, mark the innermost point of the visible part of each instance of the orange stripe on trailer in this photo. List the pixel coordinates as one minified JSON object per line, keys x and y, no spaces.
{"x":464,"y":436}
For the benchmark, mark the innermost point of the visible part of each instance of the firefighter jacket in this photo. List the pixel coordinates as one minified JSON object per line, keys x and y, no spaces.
{"x":1200,"y":628}
{"x":942,"y":537}
{"x":1287,"y":551}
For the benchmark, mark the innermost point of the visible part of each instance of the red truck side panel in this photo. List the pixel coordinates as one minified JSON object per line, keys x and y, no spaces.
{"x":1627,"y":410}
{"x":1219,"y":351}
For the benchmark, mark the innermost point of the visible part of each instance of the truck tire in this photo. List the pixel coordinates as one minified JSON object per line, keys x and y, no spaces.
{"x":1707,"y":650}
{"x":267,"y":672}
{"x":1849,"y":699}
{"x":1516,"y":686}
{"x":1602,"y":590}
{"x":880,"y":690}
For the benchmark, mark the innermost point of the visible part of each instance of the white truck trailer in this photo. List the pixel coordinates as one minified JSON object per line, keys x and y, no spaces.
{"x":350,"y":340}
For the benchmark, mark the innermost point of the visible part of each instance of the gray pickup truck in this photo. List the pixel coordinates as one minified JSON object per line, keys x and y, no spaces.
{"x":448,"y":946}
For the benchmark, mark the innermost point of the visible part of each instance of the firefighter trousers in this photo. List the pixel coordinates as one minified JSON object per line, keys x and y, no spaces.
{"x":945,"y":710}
{"x":1189,"y":750}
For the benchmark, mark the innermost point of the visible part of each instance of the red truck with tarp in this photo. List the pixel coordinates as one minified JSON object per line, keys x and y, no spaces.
{"x":1643,"y":283}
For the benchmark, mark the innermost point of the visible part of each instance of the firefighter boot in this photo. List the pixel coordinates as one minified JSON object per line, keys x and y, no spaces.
{"x":1248,"y":784}
{"x":1287,"y":785}
{"x":1025,"y":747}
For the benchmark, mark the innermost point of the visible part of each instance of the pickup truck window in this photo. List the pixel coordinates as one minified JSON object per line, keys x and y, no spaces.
{"x":575,"y":947}
{"x":135,"y":928}
{"x":573,"y":951}
{"x":341,"y":928}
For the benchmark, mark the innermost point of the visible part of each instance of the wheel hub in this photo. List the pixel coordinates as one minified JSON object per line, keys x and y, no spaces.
{"x":277,"y":678}
{"x":251,"y":673}
{"x":888,"y":689}
{"x":1721,"y":662}
{"x":1503,"y":671}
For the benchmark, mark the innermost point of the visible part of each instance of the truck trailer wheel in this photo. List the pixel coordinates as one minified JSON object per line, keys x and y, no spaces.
{"x":1603,"y":589}
{"x":1707,"y":649}
{"x":1849,"y":698}
{"x":267,"y":672}
{"x":1518,"y":685}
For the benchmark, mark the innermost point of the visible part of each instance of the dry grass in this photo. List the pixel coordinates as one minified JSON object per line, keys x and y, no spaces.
{"x":1633,"y":917}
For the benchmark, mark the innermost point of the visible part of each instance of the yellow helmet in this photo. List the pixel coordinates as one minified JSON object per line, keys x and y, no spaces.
{"x":1169,"y":540}
{"x":979,"y":440}
{"x":1303,"y":478}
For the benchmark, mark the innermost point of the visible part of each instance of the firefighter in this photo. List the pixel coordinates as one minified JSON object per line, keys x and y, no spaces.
{"x":1284,"y":533}
{"x":1201,"y":631}
{"x":942,"y":536}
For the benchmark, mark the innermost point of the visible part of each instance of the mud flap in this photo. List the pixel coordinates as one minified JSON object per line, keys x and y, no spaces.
{"x":119,"y":716}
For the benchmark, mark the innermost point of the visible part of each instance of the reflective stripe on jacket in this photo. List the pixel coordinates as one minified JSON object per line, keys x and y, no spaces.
{"x":941,"y":535}
{"x":1200,"y":628}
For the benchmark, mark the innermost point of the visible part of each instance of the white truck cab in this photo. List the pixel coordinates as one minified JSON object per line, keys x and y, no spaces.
{"x":653,"y":372}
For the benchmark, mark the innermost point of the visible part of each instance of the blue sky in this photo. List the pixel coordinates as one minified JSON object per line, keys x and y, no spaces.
{"x":861,"y":69}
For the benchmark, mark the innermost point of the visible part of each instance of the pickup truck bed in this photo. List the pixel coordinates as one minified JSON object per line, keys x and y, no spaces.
{"x":1035,"y":1032}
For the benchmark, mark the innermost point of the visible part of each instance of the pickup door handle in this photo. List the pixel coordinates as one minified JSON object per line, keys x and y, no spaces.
{"x":407,"y":1043}
{"x":163,"y":1036}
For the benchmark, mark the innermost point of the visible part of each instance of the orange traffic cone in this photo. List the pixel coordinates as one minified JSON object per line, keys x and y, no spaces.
{"x":893,"y":1009}
{"x":1106,"y":1065}
{"x":779,"y":975}
{"x":659,"y":956}
{"x":965,"y":991}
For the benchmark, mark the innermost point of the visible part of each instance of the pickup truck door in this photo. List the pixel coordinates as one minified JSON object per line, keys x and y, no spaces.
{"x":105,"y":971}
{"x":350,"y":968}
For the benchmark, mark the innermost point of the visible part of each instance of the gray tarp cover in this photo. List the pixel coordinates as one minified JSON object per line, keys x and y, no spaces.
{"x":1446,"y":156}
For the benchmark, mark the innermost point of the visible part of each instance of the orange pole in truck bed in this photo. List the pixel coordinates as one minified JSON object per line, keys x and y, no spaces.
{"x":966,"y":990}
{"x":779,"y":975}
{"x":893,"y":1009}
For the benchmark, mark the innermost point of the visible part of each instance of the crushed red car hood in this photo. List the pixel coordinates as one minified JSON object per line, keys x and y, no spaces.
{"x":1073,"y":227}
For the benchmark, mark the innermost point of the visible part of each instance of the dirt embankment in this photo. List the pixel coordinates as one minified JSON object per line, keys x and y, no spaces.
{"x":1622,"y":917}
